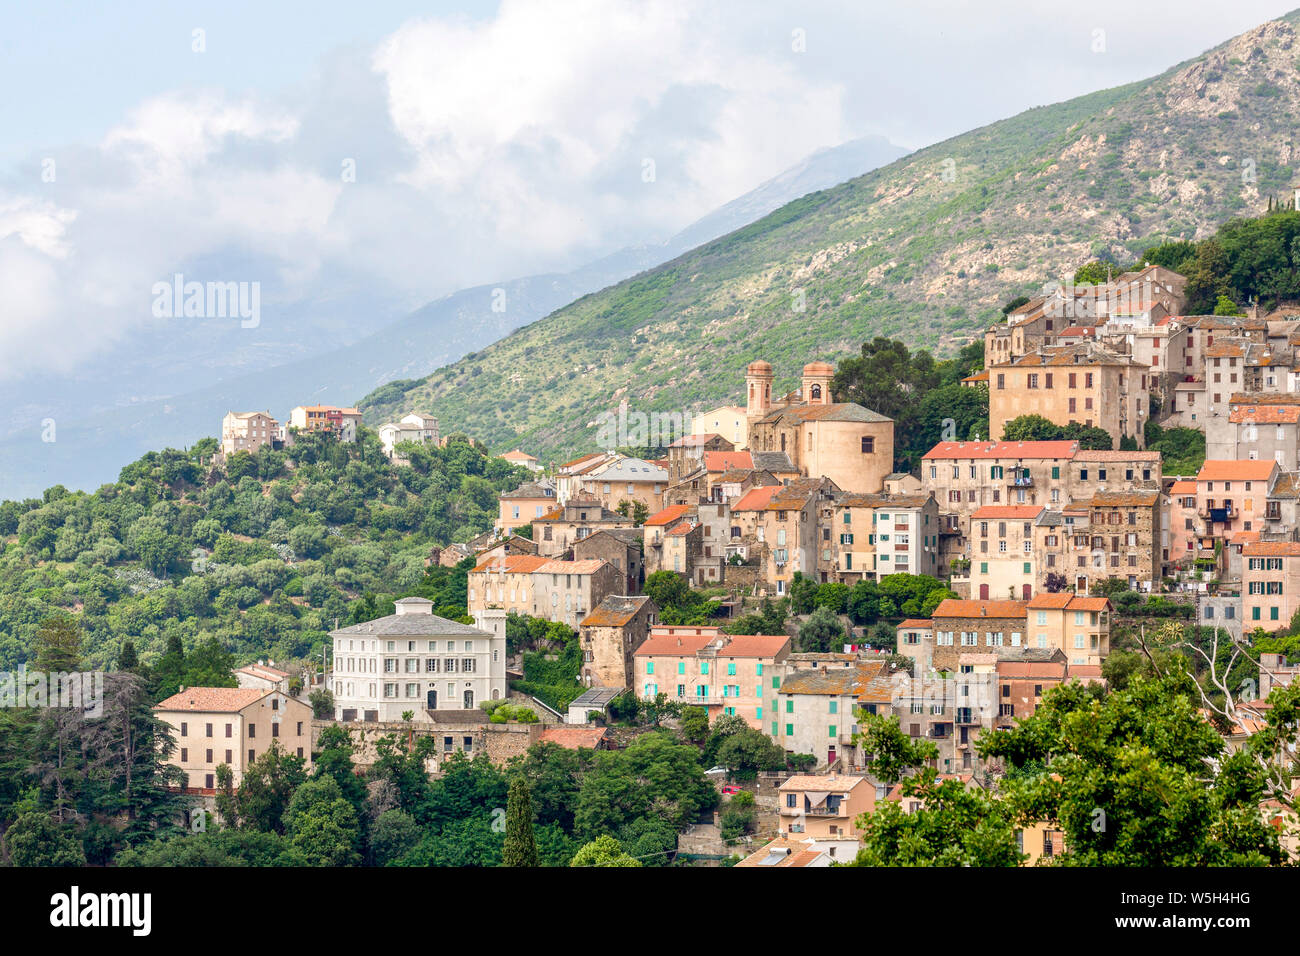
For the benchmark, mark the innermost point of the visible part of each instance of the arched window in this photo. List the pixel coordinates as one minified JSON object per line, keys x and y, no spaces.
{"x":815,"y":392}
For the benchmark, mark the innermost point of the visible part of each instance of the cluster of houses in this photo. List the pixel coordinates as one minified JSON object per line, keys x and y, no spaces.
{"x":1024,"y":532}
{"x":249,"y":431}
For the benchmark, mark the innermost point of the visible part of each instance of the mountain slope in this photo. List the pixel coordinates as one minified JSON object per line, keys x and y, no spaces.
{"x":925,"y":249}
{"x":94,"y":437}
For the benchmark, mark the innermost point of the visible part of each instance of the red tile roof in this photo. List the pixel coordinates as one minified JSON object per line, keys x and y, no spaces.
{"x":956,"y":607}
{"x":757,"y":499}
{"x":1272,"y":549}
{"x":221,"y":700}
{"x":669,"y":515}
{"x":1065,"y":601}
{"x":720,"y":461}
{"x":963,"y":450}
{"x":1012,"y":512}
{"x":512,"y":563}
{"x":1234,"y":470}
{"x":572,"y":738}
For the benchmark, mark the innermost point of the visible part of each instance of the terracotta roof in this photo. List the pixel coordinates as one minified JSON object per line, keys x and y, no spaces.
{"x":782,"y":853}
{"x":220,"y":700}
{"x":572,"y":738}
{"x":825,"y":783}
{"x":673,"y":645}
{"x":614,"y":611}
{"x":1271,"y":549}
{"x":1265,"y":414}
{"x":916,"y":622}
{"x":1003,"y":449}
{"x":1234,"y":470}
{"x":585,"y":566}
{"x":756,"y":499}
{"x":518,"y":455}
{"x":1068,"y":602}
{"x":512,"y":563}
{"x":1013,"y":512}
{"x":754,"y":645}
{"x":1183,"y":488}
{"x":262,"y":670}
{"x":957,"y":607}
{"x":719,"y":461}
{"x":681,"y":530}
{"x":669,"y":515}
{"x":977,"y":377}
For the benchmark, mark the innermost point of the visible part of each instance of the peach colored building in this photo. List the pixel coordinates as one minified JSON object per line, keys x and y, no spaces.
{"x":1270,"y":584}
{"x":1231,"y":501}
{"x":1078,"y":626}
{"x":1181,"y":527}
{"x":520,"y":507}
{"x":1082,"y":384}
{"x":824,"y":806}
{"x":850,"y":444}
{"x":735,"y":674}
{"x":232,"y":726}
{"x":1003,"y":559}
{"x":314,"y":418}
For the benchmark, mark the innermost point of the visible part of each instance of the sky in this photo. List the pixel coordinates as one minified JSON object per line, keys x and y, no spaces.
{"x":422,"y":148}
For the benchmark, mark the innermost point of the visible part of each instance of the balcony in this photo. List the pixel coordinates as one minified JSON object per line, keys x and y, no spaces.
{"x":1217,"y":515}
{"x":1016,"y":479}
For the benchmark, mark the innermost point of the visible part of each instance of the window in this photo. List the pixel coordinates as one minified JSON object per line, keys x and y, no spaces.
{"x":868,"y":445}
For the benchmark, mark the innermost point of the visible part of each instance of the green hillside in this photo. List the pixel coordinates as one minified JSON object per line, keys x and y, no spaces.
{"x":925,"y":250}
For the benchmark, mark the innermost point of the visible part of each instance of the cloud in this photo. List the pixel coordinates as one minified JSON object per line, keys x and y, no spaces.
{"x":483,"y":150}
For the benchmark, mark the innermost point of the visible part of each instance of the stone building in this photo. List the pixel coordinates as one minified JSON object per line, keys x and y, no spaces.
{"x":610,"y":635}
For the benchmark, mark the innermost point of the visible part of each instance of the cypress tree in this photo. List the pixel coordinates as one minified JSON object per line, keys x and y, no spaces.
{"x":520,"y":849}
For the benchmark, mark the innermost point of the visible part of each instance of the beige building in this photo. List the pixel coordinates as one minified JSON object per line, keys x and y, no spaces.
{"x":870,"y":536}
{"x":610,"y":635}
{"x":248,"y":431}
{"x":522,"y":459}
{"x":560,"y":528}
{"x":781,"y":524}
{"x":729,"y":421}
{"x":816,"y":710}
{"x":1003,"y":560}
{"x":847,"y":443}
{"x":234,"y":726}
{"x":1082,"y":384}
{"x":566,"y":591}
{"x":627,"y":483}
{"x":824,"y":806}
{"x":506,"y":582}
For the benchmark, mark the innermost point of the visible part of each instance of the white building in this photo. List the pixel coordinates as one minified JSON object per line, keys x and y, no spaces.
{"x":421,"y":429}
{"x":416,"y":661}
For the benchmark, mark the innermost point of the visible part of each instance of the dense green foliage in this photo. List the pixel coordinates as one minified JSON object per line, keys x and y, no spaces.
{"x":262,"y":556}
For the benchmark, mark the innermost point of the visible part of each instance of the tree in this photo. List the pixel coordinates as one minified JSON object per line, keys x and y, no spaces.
{"x":520,"y":849}
{"x":1137,"y":777}
{"x":394,"y":834}
{"x":822,"y":632}
{"x":58,"y":645}
{"x":267,"y":788}
{"x":886,"y":750}
{"x":603,"y":851}
{"x":322,"y":825}
{"x":667,"y":589}
{"x":748,"y":751}
{"x":36,"y":840}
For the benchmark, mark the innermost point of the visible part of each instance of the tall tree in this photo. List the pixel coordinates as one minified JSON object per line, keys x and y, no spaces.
{"x":520,"y":848}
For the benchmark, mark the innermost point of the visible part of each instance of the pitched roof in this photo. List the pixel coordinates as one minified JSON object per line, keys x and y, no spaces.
{"x":756,"y":499}
{"x":963,"y":450}
{"x":825,"y":783}
{"x":1264,"y":414}
{"x":959,"y":607}
{"x":915,"y":622}
{"x":585,"y":566}
{"x":1064,"y":601}
{"x":615,"y":610}
{"x":1012,"y":512}
{"x":833,"y":412}
{"x":1183,"y":488}
{"x":530,"y":489}
{"x":1272,"y":549}
{"x":512,"y":563}
{"x":673,"y":645}
{"x":669,"y":515}
{"x":754,"y":645}
{"x":219,"y":700}
{"x":720,"y":461}
{"x":1234,"y":470}
{"x":1135,"y":498}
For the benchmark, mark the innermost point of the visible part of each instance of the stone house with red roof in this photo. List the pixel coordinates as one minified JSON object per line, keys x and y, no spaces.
{"x":610,"y":635}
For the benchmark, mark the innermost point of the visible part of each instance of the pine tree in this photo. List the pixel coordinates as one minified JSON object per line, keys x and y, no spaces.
{"x":520,"y":848}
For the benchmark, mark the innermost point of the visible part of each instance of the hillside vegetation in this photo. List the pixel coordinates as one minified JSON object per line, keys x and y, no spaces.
{"x":264,"y":555}
{"x":924,"y":250}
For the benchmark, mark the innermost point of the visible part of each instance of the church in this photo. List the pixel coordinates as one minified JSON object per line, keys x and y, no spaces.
{"x":845,"y":442}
